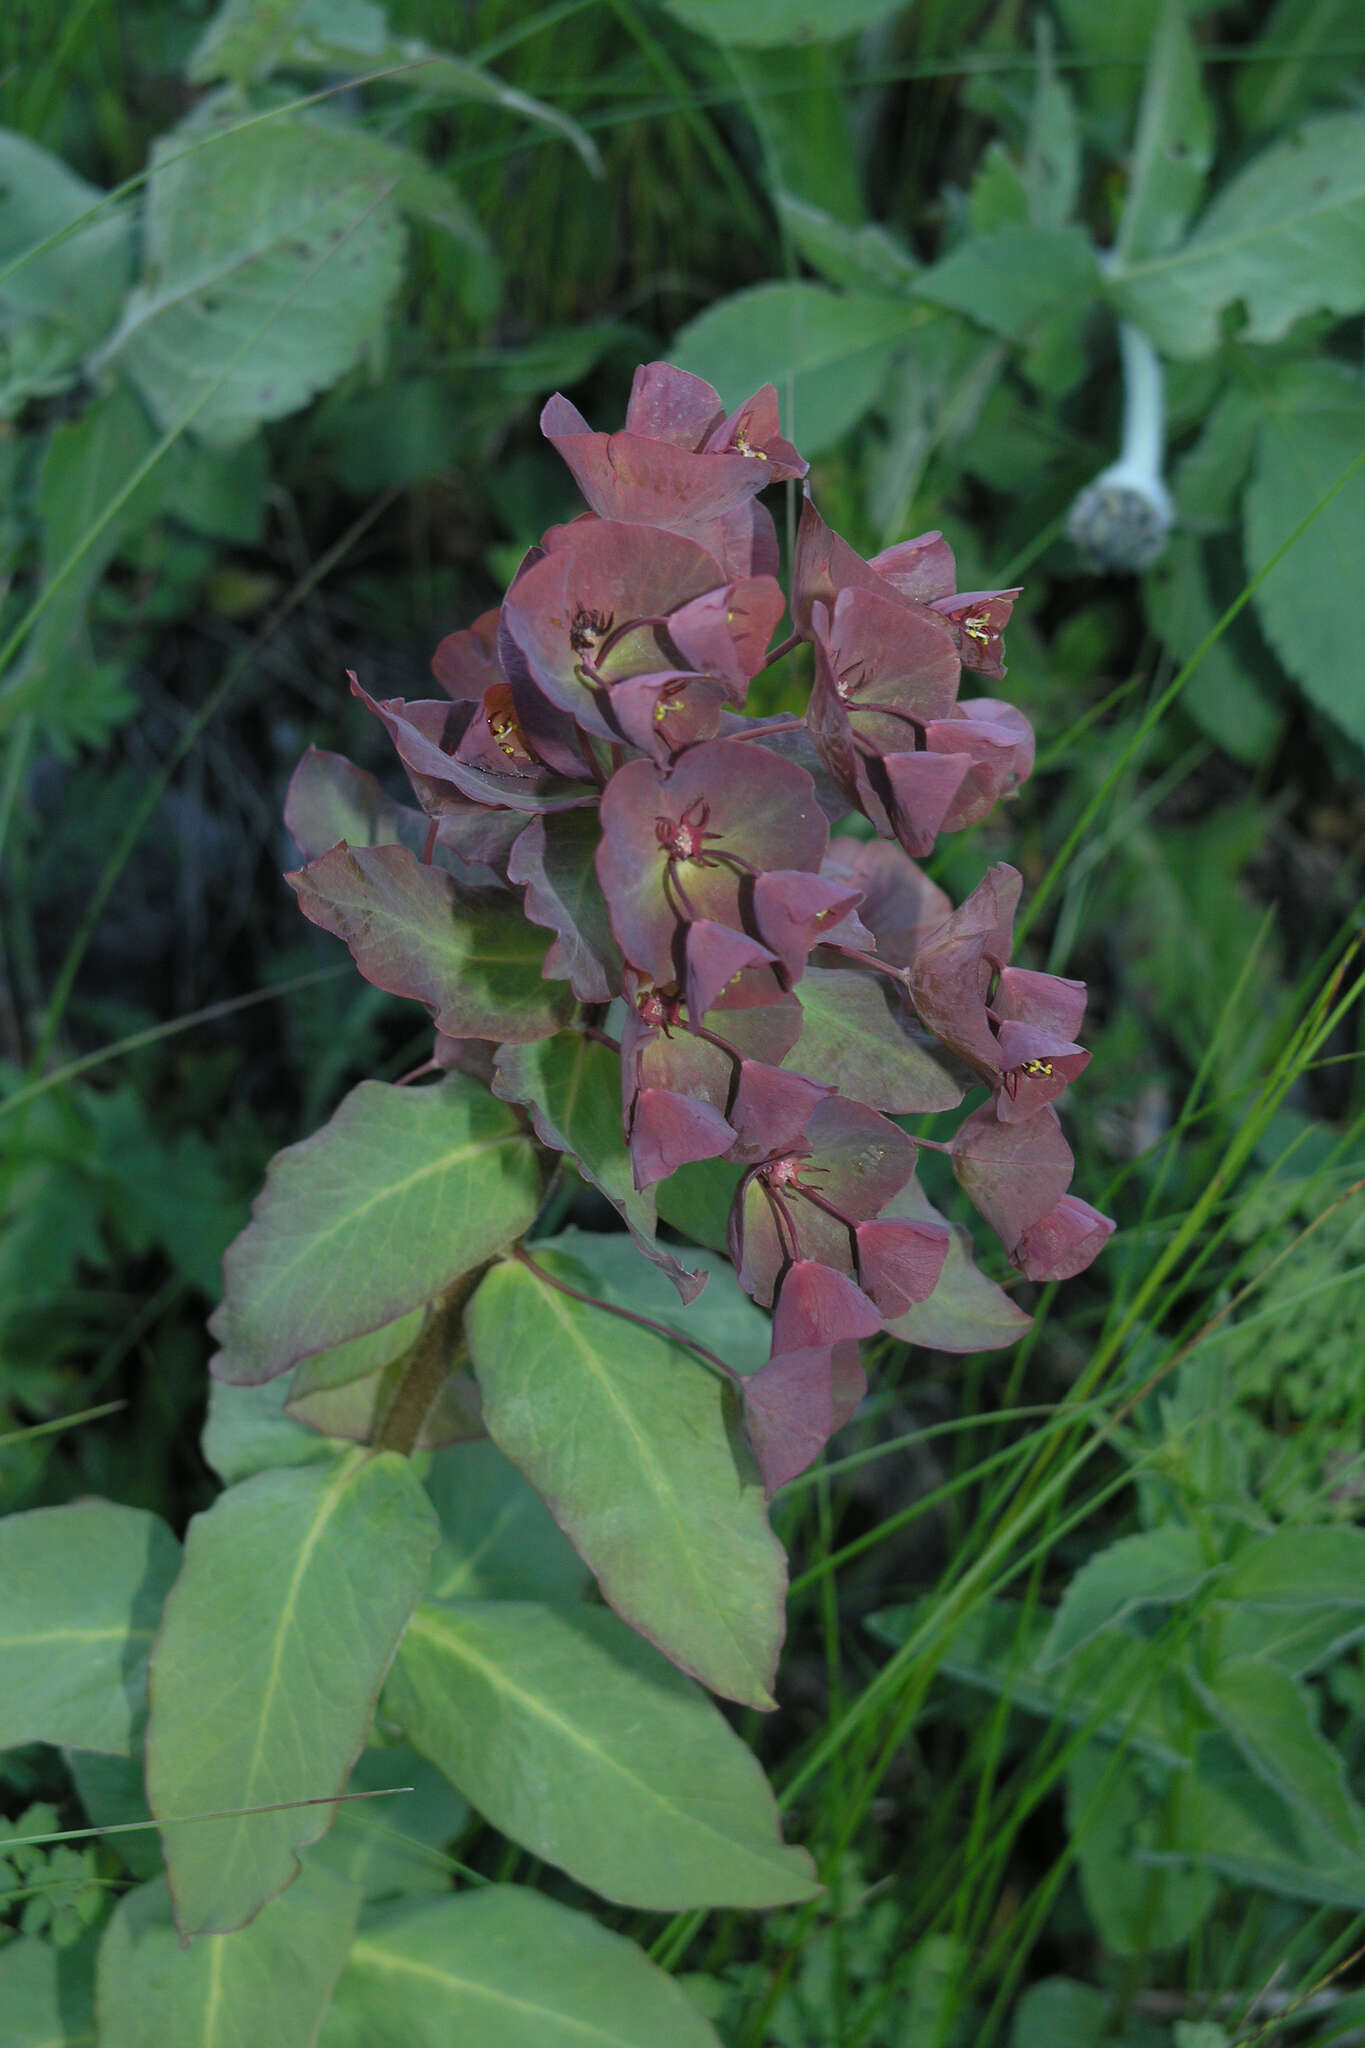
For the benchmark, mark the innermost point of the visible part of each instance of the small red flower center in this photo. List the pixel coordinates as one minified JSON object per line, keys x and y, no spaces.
{"x":588,"y":629}
{"x":687,"y":838}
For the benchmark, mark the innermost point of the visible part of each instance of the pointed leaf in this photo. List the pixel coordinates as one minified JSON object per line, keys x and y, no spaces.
{"x":582,"y":1743}
{"x":330,"y":799}
{"x":296,"y":1587}
{"x":505,"y":1968}
{"x":441,"y":1177}
{"x":1271,"y":1719}
{"x":1174,"y":144}
{"x":554,"y":858}
{"x":966,"y":1312}
{"x":271,"y":1983}
{"x":635,"y":1446}
{"x":1012,"y":279}
{"x":418,"y":932}
{"x":80,"y":1591}
{"x":1158,"y":1568}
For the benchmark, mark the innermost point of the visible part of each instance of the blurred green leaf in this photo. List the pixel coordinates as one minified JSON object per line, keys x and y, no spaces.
{"x":827,"y":353}
{"x":769,"y":24}
{"x":1285,"y":237}
{"x":1270,"y":1718}
{"x":1309,"y":70}
{"x":69,"y":294}
{"x":1157,"y":1568}
{"x":46,"y":1994}
{"x":1008,"y":281}
{"x":1223,"y":697}
{"x":1052,"y":153}
{"x":1113,"y":1813}
{"x":1173,"y":147}
{"x":856,"y":259}
{"x":1314,"y":422}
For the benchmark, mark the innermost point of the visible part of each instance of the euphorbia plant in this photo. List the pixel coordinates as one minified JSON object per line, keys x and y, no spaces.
{"x":646,"y":960}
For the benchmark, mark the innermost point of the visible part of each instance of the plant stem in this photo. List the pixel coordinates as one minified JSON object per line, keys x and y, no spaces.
{"x":429,"y":1367}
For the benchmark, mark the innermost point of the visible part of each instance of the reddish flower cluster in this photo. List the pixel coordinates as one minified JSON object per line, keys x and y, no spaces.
{"x":776,"y":997}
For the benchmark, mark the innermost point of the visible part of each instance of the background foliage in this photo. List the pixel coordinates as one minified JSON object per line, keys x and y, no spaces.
{"x":1072,"y":1709}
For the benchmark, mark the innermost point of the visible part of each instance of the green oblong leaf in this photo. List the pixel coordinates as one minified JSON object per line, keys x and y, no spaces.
{"x":582,"y":1743}
{"x":505,"y":1968}
{"x":274,"y":1644}
{"x":499,"y":1541}
{"x":1156,"y":1568}
{"x":402,"y":1192}
{"x":1270,"y":1718}
{"x":636,"y":1448}
{"x":1174,"y":144}
{"x":270,"y":1983}
{"x":80,"y":1591}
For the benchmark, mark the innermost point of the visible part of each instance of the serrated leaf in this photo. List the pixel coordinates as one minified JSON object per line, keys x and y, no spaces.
{"x":296,"y":1587}
{"x":771,"y":24}
{"x":1157,"y":1568}
{"x":862,"y":259}
{"x":401,"y":1193}
{"x":636,"y":1448}
{"x":1285,"y":237}
{"x":1226,"y":1817}
{"x":317,"y":255}
{"x":827,"y":353}
{"x":854,"y":1038}
{"x":271,"y":1983}
{"x":80,"y":1591}
{"x":1011,"y":280}
{"x":416,"y":931}
{"x":1313,"y":424}
{"x":581,"y":1742}
{"x":505,"y":1968}
{"x":1296,"y":1597}
{"x":572,"y":1086}
{"x":1112,"y":1816}
{"x":498,"y":1539}
{"x":1173,"y":147}
{"x":1268,"y":1715}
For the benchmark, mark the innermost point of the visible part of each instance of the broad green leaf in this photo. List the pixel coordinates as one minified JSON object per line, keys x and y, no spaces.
{"x":582,"y":1743}
{"x":219,"y":493}
{"x":393,"y":1847}
{"x":1301,"y":1570}
{"x":1270,"y":1718}
{"x":418,"y":932}
{"x":1060,"y":2013}
{"x":855,"y":259}
{"x":1113,"y":1815}
{"x":998,"y":197}
{"x":1105,"y":1688}
{"x":1052,"y":155}
{"x":270,"y":1984}
{"x":856,"y":1039}
{"x":401,"y":1193}
{"x":572,"y":1086}
{"x":1011,"y":280}
{"x":1286,"y":237}
{"x":248,"y":1430}
{"x":358,"y":1359}
{"x":827,"y":353}
{"x":1157,"y":1568}
{"x":1314,"y":424}
{"x":356,"y":1410}
{"x":76,"y":286}
{"x":1174,"y":144}
{"x":966,"y":1312}
{"x":498,"y":1541}
{"x":771,"y":24}
{"x":46,"y":1994}
{"x":80,"y":1591}
{"x":505,"y":1968}
{"x":636,"y":1447}
{"x":1227,"y":1817}
{"x":1223,"y":698}
{"x":722,"y":1318}
{"x":316,"y":254}
{"x":296,"y":1587}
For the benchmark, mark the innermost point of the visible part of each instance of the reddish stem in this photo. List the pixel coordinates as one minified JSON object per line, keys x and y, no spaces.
{"x":628,"y":1315}
{"x":781,"y":651}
